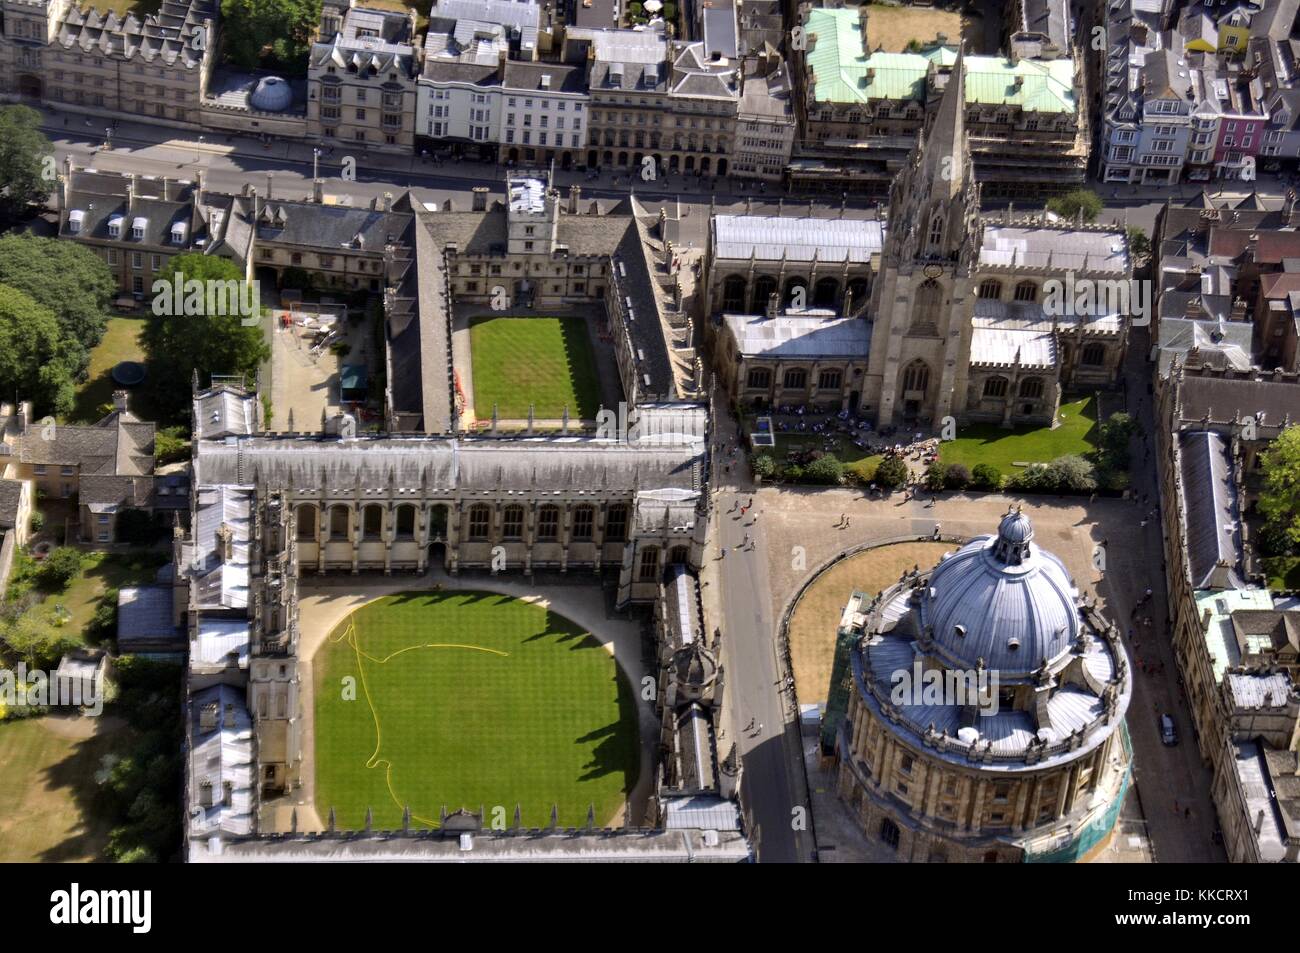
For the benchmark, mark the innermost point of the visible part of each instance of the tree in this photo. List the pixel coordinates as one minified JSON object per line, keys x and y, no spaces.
{"x":1139,"y":246}
{"x":170,"y":445}
{"x":269,"y":33}
{"x":26,"y":163}
{"x":935,"y":475}
{"x":986,"y":476}
{"x":764,"y":466}
{"x":37,"y":641}
{"x":1071,"y":203}
{"x":825,"y":470}
{"x":178,"y":345}
{"x":1279,"y":501}
{"x":958,"y":477}
{"x":892,"y":473}
{"x":1114,"y":436}
{"x":33,"y":360}
{"x":59,"y":568}
{"x":68,"y":279}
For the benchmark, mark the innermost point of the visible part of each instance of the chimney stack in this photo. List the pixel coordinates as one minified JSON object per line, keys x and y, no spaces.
{"x":269,"y":177}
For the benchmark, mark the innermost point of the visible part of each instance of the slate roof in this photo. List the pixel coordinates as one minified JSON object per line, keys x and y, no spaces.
{"x":310,"y":225}
{"x":118,"y":445}
{"x":144,"y":620}
{"x":221,"y":756}
{"x":1211,"y":516}
{"x":1223,"y":397}
{"x":11,"y":492}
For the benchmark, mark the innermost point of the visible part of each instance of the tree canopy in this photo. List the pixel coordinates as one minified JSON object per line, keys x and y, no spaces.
{"x":33,"y":360}
{"x":1280,"y":499}
{"x":178,"y":345}
{"x":68,"y":279}
{"x":27,"y":170}
{"x":1071,"y":203}
{"x":275,"y":34}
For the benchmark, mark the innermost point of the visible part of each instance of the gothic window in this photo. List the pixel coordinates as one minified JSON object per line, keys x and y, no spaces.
{"x":373,"y":522}
{"x":679,"y":555}
{"x":1094,"y":355}
{"x":1031,"y":388}
{"x":306,"y":522}
{"x":936,"y":232}
{"x":338,"y":522}
{"x":991,"y":288}
{"x":796,"y":378}
{"x":916,"y":376}
{"x":406,"y":521}
{"x":480,"y":515}
{"x":649,"y":568}
{"x":995,"y":387}
{"x":548,"y":523}
{"x":733,"y":293}
{"x":929,"y":299}
{"x":829,"y":379}
{"x":1026,"y":291}
{"x":826,"y":293}
{"x":616,"y":524}
{"x":759,"y":377}
{"x":764,"y":287}
{"x":512,"y":522}
{"x":583,"y":519}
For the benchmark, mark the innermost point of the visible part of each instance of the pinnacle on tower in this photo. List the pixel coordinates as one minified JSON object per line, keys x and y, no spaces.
{"x":945,"y":148}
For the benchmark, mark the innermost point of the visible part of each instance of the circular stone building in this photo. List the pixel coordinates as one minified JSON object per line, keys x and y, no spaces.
{"x":985,"y":716}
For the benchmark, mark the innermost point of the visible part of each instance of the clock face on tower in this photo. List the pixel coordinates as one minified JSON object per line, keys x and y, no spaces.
{"x":932,"y":271}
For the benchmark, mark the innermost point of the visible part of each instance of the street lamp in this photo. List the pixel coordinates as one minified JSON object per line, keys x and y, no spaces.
{"x":315,"y":163}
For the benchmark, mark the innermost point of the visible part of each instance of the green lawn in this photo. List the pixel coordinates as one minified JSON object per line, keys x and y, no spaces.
{"x":544,"y":361}
{"x":100,"y":571}
{"x":121,"y":342}
{"x":48,"y":791}
{"x":989,"y":443}
{"x":469,"y":699}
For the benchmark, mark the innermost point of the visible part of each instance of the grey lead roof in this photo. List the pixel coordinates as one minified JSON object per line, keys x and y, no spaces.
{"x":1210,"y":507}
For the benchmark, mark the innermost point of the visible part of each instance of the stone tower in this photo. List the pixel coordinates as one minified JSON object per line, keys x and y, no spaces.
{"x":922,"y":302}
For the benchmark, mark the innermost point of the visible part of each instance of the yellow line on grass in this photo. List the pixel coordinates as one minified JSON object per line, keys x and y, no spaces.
{"x":350,"y":635}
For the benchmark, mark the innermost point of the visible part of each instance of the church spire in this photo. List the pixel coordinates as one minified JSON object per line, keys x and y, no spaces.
{"x":945,"y":147}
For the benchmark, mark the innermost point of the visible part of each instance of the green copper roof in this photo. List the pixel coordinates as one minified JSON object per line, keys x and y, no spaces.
{"x":844,"y":73}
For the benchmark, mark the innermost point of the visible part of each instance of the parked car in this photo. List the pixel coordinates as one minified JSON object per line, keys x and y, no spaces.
{"x":1168,"y":730}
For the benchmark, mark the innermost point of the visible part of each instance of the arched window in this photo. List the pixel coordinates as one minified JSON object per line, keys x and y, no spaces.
{"x":1094,"y":355}
{"x":826,"y":293}
{"x":480,"y":517}
{"x":649,"y":566}
{"x":929,"y":300}
{"x":733,"y":293}
{"x":584,"y":518}
{"x":889,"y":833}
{"x":372,"y":524}
{"x":759,"y":377}
{"x":859,"y":293}
{"x":406,"y":521}
{"x":679,"y":555}
{"x":796,"y":378}
{"x":306,"y":521}
{"x":1031,"y":388}
{"x":796,"y":294}
{"x":548,"y":523}
{"x":616,"y":524}
{"x":339,"y":522}
{"x":916,"y":377}
{"x":512,"y":522}
{"x":995,"y":387}
{"x":1026,"y":291}
{"x":935,"y":241}
{"x":990,"y":288}
{"x":764,"y":288}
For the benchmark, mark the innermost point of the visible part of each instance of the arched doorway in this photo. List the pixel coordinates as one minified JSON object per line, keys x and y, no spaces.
{"x":916,"y":384}
{"x":592,"y":158}
{"x":566,"y":161}
{"x":30,"y":87}
{"x":722,"y":167}
{"x":513,"y":155}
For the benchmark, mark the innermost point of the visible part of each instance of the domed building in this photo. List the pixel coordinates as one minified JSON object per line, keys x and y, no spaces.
{"x":985,"y":715}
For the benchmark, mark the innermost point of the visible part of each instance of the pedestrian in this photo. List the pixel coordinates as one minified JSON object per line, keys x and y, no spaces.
{"x":734,"y":504}
{"x":846,"y":521}
{"x":840,"y":524}
{"x":744,"y":542}
{"x":724,"y":553}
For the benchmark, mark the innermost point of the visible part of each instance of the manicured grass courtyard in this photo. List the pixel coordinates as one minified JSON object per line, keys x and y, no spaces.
{"x":121,"y":342}
{"x":470,"y":699}
{"x":989,"y":443}
{"x":547,"y":362}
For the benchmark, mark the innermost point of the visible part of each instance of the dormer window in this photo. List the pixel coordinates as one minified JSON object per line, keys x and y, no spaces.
{"x":178,"y":233}
{"x":115,"y":227}
{"x":75,"y":220}
{"x":138,"y":227}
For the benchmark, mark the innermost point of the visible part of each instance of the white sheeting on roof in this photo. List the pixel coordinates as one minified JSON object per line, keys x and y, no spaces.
{"x":1003,"y":336}
{"x":218,"y":639}
{"x":769,"y":237}
{"x":793,"y":336}
{"x":1067,"y":248}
